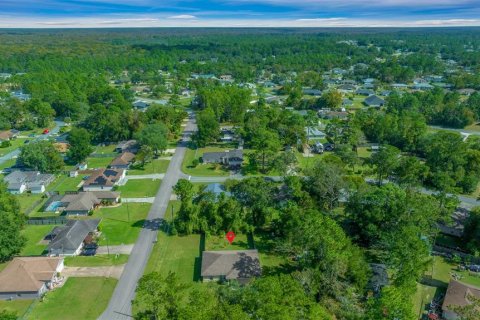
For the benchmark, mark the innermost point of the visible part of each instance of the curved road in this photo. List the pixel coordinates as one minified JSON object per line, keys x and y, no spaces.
{"x":119,"y":307}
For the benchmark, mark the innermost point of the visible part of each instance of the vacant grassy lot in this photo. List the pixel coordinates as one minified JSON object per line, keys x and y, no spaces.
{"x":241,"y":242}
{"x":65,"y":183}
{"x":96,"y":261}
{"x":179,"y":254}
{"x":117,"y":226}
{"x":140,"y":188}
{"x":105,"y":149}
{"x":96,"y":163}
{"x":79,"y":298}
{"x":156,"y":166}
{"x":34,"y":235}
{"x":17,"y":306}
{"x":202,"y":169}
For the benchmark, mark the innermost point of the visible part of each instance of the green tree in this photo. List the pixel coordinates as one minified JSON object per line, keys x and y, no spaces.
{"x":208,"y":127}
{"x":41,"y":156}
{"x":266,"y":145}
{"x":80,"y":145}
{"x":144,"y":155}
{"x":155,"y":136}
{"x":11,"y":223}
{"x":385,"y":162}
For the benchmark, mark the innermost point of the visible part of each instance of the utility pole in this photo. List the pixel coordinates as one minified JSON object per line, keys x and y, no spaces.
{"x":128,"y":211}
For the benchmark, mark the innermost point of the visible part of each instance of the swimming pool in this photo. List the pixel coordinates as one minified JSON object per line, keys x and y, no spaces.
{"x":53,"y":207}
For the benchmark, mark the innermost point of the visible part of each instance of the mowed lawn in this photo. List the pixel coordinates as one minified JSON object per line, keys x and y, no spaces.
{"x":96,"y":261}
{"x":97,"y":163}
{"x":17,"y":306}
{"x":68,"y":184}
{"x":156,"y":166}
{"x":216,"y":243}
{"x":35,"y":234}
{"x":179,"y":254}
{"x":116,"y":225}
{"x":202,"y":169}
{"x":28,"y":200}
{"x":140,"y":188}
{"x":78,"y":299}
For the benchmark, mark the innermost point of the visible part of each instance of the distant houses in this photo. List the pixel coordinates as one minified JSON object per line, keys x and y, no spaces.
{"x":128,"y":145}
{"x":19,"y":182}
{"x":240,"y":265}
{"x":68,"y":240}
{"x":8,"y":135}
{"x":29,"y":277}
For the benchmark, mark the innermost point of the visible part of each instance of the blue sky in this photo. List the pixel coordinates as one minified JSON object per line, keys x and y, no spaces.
{"x":231,"y":13}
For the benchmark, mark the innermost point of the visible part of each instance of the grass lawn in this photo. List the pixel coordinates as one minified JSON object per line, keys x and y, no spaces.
{"x":105,"y":149}
{"x":8,"y":164}
{"x":27,"y":200}
{"x":241,"y":242}
{"x":202,"y":169}
{"x":79,"y":298}
{"x":35,"y":234}
{"x":307,"y":162}
{"x":140,"y":188}
{"x":179,"y":254}
{"x":116,"y":225}
{"x":96,"y":261}
{"x":96,"y":163}
{"x":17,"y":306}
{"x":156,"y":166}
{"x":473,"y":127}
{"x":67,"y":184}
{"x":364,"y":152}
{"x":15,"y":144}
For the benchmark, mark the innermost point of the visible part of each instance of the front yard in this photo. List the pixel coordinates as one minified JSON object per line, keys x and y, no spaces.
{"x":202,"y":169}
{"x":121,"y":225}
{"x":78,"y":299}
{"x":139,"y":188}
{"x":156,"y":166}
{"x":96,"y":261}
{"x":35,"y":234}
{"x":17,"y":306}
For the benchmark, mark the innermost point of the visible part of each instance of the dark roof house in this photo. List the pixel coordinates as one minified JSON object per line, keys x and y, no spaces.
{"x":69,"y":239}
{"x":104,"y":179}
{"x":458,"y":295}
{"x":231,"y":158}
{"x":20,"y":181}
{"x":374,"y":101}
{"x":241,"y":265}
{"x":123,"y":161}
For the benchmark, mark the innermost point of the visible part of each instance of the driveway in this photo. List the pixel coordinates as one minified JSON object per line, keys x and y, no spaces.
{"x":121,"y":249}
{"x":107,"y":272}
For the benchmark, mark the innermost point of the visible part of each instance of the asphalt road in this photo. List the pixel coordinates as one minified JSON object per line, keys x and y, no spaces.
{"x":16,"y":152}
{"x":119,"y":307}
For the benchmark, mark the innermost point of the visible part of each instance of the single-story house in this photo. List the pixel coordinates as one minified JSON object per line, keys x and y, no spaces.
{"x":313,"y":132}
{"x":399,"y":86}
{"x":29,"y":277}
{"x":378,"y":278}
{"x":8,"y":135}
{"x":347,"y":102}
{"x":230,"y":158}
{"x":80,"y":203}
{"x":312,"y":92}
{"x":240,"y":265}
{"x":466,"y":92}
{"x":139,"y":104}
{"x":68,"y":240}
{"x":33,"y":181}
{"x":104,"y":179}
{"x":342,"y":115}
{"x":123,"y":161}
{"x":346,"y":88}
{"x":128,"y":145}
{"x":422,"y":86}
{"x":374,"y":101}
{"x":457,"y":295}
{"x":365,"y":92}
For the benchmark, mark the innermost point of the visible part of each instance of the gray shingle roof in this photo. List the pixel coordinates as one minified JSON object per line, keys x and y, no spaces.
{"x":242,"y":264}
{"x":72,"y":235}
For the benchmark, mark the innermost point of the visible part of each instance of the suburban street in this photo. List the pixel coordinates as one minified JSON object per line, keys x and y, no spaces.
{"x":119,"y":306}
{"x":16,"y":152}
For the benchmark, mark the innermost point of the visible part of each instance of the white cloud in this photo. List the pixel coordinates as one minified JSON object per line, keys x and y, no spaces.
{"x":183,"y":16}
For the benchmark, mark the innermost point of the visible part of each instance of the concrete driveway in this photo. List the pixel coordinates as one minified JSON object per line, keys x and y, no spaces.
{"x":107,"y":272}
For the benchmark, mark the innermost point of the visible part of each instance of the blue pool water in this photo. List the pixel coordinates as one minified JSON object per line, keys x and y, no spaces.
{"x":52,"y":207}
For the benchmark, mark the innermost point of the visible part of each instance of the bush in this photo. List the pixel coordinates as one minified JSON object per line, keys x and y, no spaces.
{"x":5,"y":144}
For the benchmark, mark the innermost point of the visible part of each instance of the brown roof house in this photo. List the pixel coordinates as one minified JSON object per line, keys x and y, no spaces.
{"x":123,"y":161}
{"x":29,"y":277}
{"x":8,"y":135}
{"x":104,"y":179}
{"x":241,"y":265}
{"x":458,"y":295}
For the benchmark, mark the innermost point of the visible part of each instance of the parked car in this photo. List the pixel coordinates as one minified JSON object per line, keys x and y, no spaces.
{"x":26,"y":141}
{"x":89,"y":252}
{"x":46,"y":131}
{"x":329,"y":146}
{"x":92,"y":245}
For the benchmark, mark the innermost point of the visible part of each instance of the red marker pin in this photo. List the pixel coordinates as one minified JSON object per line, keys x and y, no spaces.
{"x":230,"y":236}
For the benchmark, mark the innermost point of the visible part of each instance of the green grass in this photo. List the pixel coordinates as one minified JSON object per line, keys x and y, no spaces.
{"x":140,"y":188}
{"x":307,"y":162}
{"x":27,"y":200}
{"x":473,"y":127}
{"x":8,"y":164}
{"x":95,"y":163}
{"x":15,"y":144}
{"x":364,"y":152}
{"x":67,"y":184}
{"x":17,"y":306}
{"x":79,"y":298}
{"x":34,"y":234}
{"x":179,"y":254}
{"x":241,"y":242}
{"x":116,"y":226}
{"x":96,"y":261}
{"x":202,"y":169}
{"x":156,"y":166}
{"x":105,"y":149}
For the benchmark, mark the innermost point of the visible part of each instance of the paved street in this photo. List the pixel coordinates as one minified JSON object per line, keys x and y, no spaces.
{"x":16,"y":152}
{"x":120,"y":303}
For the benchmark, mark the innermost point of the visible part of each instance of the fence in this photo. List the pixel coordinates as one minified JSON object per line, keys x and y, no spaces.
{"x":47,"y":221}
{"x":451,"y":251}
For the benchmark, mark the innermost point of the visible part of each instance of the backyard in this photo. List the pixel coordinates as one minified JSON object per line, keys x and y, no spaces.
{"x":79,"y":298}
{"x":34,"y":235}
{"x":121,"y":225}
{"x":18,"y":306}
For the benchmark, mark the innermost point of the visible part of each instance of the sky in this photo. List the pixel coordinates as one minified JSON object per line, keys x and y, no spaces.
{"x":237,"y":13}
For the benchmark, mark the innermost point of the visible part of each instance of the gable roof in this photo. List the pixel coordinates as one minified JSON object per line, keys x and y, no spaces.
{"x":374,"y":101}
{"x":241,"y":264}
{"x":123,"y":159}
{"x":28,"y":274}
{"x":218,"y":156}
{"x":30,"y":178}
{"x":458,"y":293}
{"x":104,"y":177}
{"x":82,"y":201}
{"x":72,"y":235}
